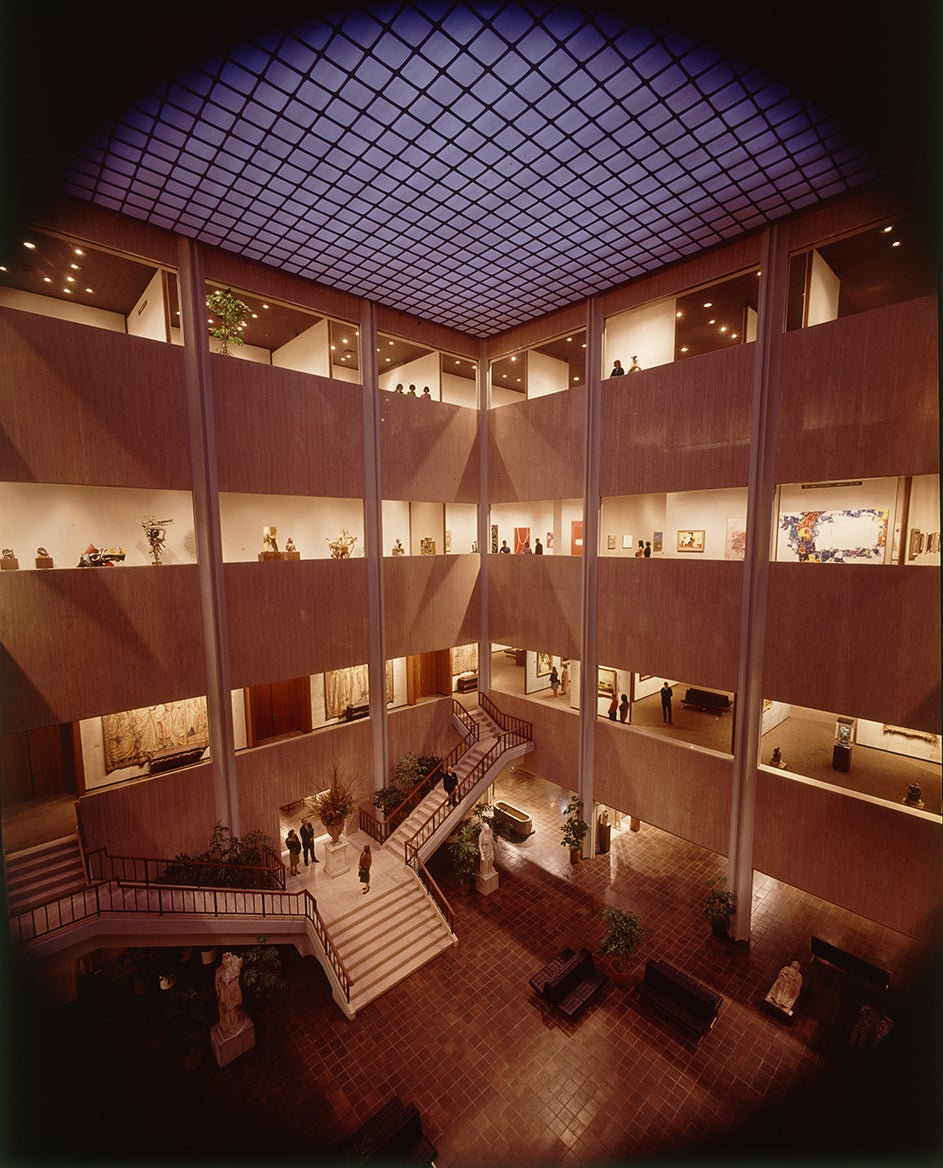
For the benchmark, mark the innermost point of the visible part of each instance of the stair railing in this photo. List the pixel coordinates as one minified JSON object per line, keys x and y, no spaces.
{"x":435,"y":892}
{"x":147,"y":870}
{"x":381,"y":831}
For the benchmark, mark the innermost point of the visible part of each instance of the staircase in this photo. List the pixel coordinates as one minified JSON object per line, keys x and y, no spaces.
{"x":42,"y":874}
{"x":383,"y":940}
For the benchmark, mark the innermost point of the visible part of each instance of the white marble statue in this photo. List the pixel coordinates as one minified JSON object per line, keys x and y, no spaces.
{"x":486,"y":849}
{"x":229,"y":992}
{"x":786,"y":987}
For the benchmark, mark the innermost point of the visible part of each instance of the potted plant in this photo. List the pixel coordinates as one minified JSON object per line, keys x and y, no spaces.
{"x":463,"y":848}
{"x":720,"y":906}
{"x":261,"y":977}
{"x":334,"y":805}
{"x":574,"y":829}
{"x":139,"y":965}
{"x":621,"y":940}
{"x":231,"y":313}
{"x":190,"y":1012}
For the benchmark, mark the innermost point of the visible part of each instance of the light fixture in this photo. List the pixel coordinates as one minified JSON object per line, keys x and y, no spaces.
{"x":69,"y":290}
{"x":30,"y":246}
{"x":679,"y":315}
{"x":75,"y":267}
{"x":265,"y":306}
{"x":78,"y":251}
{"x":47,"y":279}
{"x":70,"y":279}
{"x":684,"y":348}
{"x":885,"y":230}
{"x":90,"y":291}
{"x":723,"y":328}
{"x":713,"y":320}
{"x":733,"y":336}
{"x":896,"y":243}
{"x":708,"y":304}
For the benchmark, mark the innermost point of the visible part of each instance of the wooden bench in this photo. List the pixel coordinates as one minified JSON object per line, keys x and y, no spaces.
{"x":842,"y":959}
{"x":705,"y":699}
{"x":168,"y":760}
{"x":394,"y":1132}
{"x":692,"y":1006}
{"x":569,"y":982}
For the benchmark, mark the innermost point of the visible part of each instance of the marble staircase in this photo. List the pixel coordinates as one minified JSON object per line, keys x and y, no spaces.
{"x":43,"y":874}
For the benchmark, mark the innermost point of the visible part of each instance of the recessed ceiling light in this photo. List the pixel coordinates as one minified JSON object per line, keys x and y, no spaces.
{"x":3,"y":267}
{"x":78,"y":251}
{"x":713,"y":320}
{"x":733,"y":336}
{"x":679,"y":315}
{"x":255,"y":316}
{"x":69,"y":290}
{"x":896,"y":243}
{"x":70,"y":279}
{"x":90,"y":291}
{"x":723,"y":328}
{"x":47,"y":279}
{"x":708,"y":304}
{"x":885,"y":230}
{"x":684,"y":348}
{"x":29,"y":245}
{"x":265,"y":306}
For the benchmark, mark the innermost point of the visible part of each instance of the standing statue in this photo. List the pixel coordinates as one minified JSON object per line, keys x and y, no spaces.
{"x":155,"y":531}
{"x":229,"y":992}
{"x":486,"y":849}
{"x":342,"y":546}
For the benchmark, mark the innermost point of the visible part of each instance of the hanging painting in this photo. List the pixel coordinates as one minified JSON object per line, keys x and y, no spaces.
{"x":836,"y":537}
{"x":131,"y":737}
{"x":544,"y":664}
{"x":576,"y":537}
{"x":690,"y":540}
{"x":735,"y":546}
{"x":494,"y":538}
{"x":521,"y":537}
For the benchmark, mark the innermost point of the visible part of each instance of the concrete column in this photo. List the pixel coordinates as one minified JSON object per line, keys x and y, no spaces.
{"x":209,"y":542}
{"x":484,"y":518}
{"x":588,"y":659}
{"x":373,"y":541}
{"x":760,"y":519}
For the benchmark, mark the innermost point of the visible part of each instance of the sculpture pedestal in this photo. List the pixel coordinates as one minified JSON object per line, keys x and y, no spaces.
{"x":487,"y":883}
{"x":231,"y":1044}
{"x":337,"y":858}
{"x":44,"y":561}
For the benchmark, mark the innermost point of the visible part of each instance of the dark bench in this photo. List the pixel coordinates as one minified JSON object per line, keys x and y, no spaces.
{"x":569,"y":982}
{"x":685,"y":1001}
{"x":168,"y":760}
{"x":393,"y":1132}
{"x":873,"y":974}
{"x":351,"y":713}
{"x":705,"y":699}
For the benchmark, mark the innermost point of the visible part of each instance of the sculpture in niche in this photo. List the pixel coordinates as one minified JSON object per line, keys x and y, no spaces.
{"x":427,"y":546}
{"x":43,"y":558}
{"x":342,"y":545}
{"x":94,"y":557}
{"x":229,"y":992}
{"x":269,"y":542}
{"x":914,"y":796}
{"x":290,"y":545}
{"x":398,"y":549}
{"x":155,"y":531}
{"x":41,"y":551}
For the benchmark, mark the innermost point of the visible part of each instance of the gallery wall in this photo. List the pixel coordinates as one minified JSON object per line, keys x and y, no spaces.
{"x":311,"y":523}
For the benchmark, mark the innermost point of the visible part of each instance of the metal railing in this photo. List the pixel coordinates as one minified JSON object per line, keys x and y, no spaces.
{"x":435,"y":892}
{"x":148,"y":870}
{"x":113,"y":897}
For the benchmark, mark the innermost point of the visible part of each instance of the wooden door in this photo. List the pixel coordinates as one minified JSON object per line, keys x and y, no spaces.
{"x":36,"y":764}
{"x":277,"y":708}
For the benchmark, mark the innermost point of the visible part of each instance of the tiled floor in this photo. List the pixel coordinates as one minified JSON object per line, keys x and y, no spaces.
{"x":498,"y":1077}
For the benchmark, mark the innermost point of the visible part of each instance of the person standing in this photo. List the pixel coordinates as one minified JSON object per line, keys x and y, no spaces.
{"x":526,"y":549}
{"x":504,"y":549}
{"x":554,"y":681}
{"x":613,"y":708}
{"x":363,"y":868}
{"x":624,"y":708}
{"x":564,"y":676}
{"x":640,"y":550}
{"x":538,"y":548}
{"x":617,"y":370}
{"x":648,"y":549}
{"x":666,"y":692}
{"x":307,"y":841}
{"x":450,"y":782}
{"x":293,"y":843}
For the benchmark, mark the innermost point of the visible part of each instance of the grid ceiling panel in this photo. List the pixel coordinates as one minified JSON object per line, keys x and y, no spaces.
{"x":473,"y":164}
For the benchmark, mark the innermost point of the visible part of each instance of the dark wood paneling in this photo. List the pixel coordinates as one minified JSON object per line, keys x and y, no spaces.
{"x":677,"y":618}
{"x":860,"y":396}
{"x":87,"y":406}
{"x":535,"y":332}
{"x":431,"y":602}
{"x":280,"y":432}
{"x":678,"y":427}
{"x":435,"y":336}
{"x":880,"y":860}
{"x":82,"y":220}
{"x":535,"y":448}
{"x":289,"y":618}
{"x":534,"y":602}
{"x":80,"y":642}
{"x":429,"y":450}
{"x":857,"y":640}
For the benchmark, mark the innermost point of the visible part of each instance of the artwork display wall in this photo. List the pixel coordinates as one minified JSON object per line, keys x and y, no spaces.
{"x":132,"y":737}
{"x":857,"y":535}
{"x":351,"y":687}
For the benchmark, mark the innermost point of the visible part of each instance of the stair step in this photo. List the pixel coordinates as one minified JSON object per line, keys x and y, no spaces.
{"x":366,"y":991}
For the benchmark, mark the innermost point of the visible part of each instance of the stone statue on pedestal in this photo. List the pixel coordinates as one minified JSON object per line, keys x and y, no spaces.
{"x":486,"y":849}
{"x":786,"y":987}
{"x":229,"y":992}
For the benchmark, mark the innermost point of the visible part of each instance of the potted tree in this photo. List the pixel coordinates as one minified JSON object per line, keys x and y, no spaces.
{"x":719,"y":908}
{"x":334,"y":805}
{"x":621,"y":940}
{"x":463,"y":848}
{"x":261,"y":977}
{"x":231,"y":313}
{"x":574,"y":829}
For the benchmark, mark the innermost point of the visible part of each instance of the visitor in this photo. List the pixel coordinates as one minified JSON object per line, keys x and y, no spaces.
{"x":293,"y":843}
{"x":363,"y":868}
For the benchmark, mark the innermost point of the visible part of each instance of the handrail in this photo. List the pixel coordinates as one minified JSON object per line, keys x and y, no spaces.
{"x":505,"y":721}
{"x":459,"y":711}
{"x":435,"y":892}
{"x":115,"y":897}
{"x":147,"y":870}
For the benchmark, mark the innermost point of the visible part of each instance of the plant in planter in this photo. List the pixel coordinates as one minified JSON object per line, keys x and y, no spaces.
{"x":463,"y":848}
{"x":261,"y":976}
{"x":229,"y":862}
{"x":231,"y":314}
{"x":189,"y":1013}
{"x":574,"y":829}
{"x":334,"y":805}
{"x":621,"y":940}
{"x":139,"y":966}
{"x":720,"y":906}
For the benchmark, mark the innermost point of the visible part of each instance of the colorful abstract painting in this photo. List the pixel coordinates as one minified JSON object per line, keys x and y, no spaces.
{"x":836,"y":537}
{"x":735,"y":547}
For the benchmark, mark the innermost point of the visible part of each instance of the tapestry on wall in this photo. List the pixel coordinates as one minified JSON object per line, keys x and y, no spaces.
{"x":464,"y":658}
{"x":131,"y":737}
{"x":735,"y":547}
{"x":820,"y":537}
{"x":351,"y":687}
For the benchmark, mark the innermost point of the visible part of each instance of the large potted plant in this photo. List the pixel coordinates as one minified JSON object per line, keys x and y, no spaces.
{"x":261,"y":977}
{"x":463,"y":848}
{"x":334,"y":805}
{"x":574,"y":829}
{"x":621,"y":940}
{"x":190,"y":1012}
{"x":720,"y":906}
{"x":231,"y":314}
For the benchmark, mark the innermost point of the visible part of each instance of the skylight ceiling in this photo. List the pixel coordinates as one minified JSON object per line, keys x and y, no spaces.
{"x":474,"y":165}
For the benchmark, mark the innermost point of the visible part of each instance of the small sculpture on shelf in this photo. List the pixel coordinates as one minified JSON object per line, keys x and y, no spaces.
{"x":43,"y":558}
{"x":156,"y":532}
{"x":635,"y":367}
{"x":269,"y":542}
{"x":398,"y":549}
{"x":777,"y":759}
{"x":342,"y":546}
{"x":914,"y":796}
{"x":94,"y":557}
{"x":290,"y":545}
{"x":8,"y":560}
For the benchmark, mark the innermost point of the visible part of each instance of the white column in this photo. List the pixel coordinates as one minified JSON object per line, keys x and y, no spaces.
{"x":373,"y":538}
{"x":588,"y":658}
{"x":484,"y":518}
{"x":209,"y":542}
{"x":760,"y":496}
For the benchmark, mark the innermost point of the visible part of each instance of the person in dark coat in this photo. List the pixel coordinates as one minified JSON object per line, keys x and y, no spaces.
{"x":666,"y":691}
{"x":450,"y":782}
{"x":293,"y":843}
{"x":307,"y":841}
{"x":363,"y":868}
{"x":624,"y":708}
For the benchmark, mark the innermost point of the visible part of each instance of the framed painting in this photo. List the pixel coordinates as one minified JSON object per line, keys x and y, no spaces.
{"x":521,"y":537}
{"x":494,"y":538}
{"x":606,"y":682}
{"x":933,"y":541}
{"x":690,"y":540}
{"x":626,"y":543}
{"x":448,"y":542}
{"x":576,"y":537}
{"x":611,"y":543}
{"x":544,"y":664}
{"x":549,"y":540}
{"x":658,"y":539}
{"x":735,"y":546}
{"x":427,"y":546}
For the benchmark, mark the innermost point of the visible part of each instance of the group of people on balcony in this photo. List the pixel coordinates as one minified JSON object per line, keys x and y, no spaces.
{"x":411,"y":392}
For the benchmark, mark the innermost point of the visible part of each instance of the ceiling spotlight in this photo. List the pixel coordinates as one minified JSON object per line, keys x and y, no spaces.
{"x":90,"y":291}
{"x":896,"y":243}
{"x":3,"y":267}
{"x":708,"y":304}
{"x":733,"y":336}
{"x":265,"y":306}
{"x":885,"y":230}
{"x":78,"y":251}
{"x":684,"y":348}
{"x":679,"y":315}
{"x":75,"y":267}
{"x":723,"y":328}
{"x":29,"y":245}
{"x":713,"y":320}
{"x":69,"y":290}
{"x":47,"y":279}
{"x":70,"y":279}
